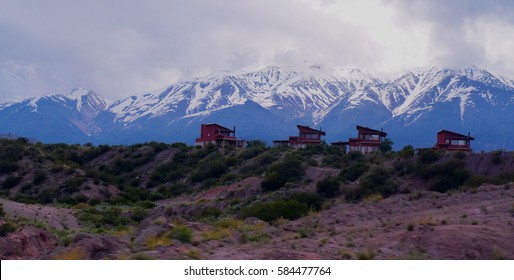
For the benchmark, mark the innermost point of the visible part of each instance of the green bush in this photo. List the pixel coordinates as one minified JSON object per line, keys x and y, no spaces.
{"x":428,"y":156}
{"x":73,"y":184}
{"x":377,"y":177}
{"x":168,"y":172}
{"x":256,"y":143}
{"x":333,"y":160}
{"x":47,"y":195}
{"x":145,"y":204}
{"x":386,"y":145}
{"x":23,"y":198}
{"x":273,"y":181}
{"x":328,"y":187}
{"x":355,"y":155}
{"x":209,"y":212}
{"x":39,"y":177}
{"x":139,"y":214}
{"x":265,"y":159}
{"x":8,"y":166}
{"x":376,"y":182}
{"x":446,"y":176}
{"x":270,"y":211}
{"x":180,"y":145}
{"x":496,"y":159}
{"x":94,"y":152}
{"x":11,"y":151}
{"x":182,"y":233}
{"x":232,"y":161}
{"x":281,"y":172}
{"x":459,"y":155}
{"x":7,"y":228}
{"x":251,"y":152}
{"x":158,"y":146}
{"x":102,"y":217}
{"x":81,"y":198}
{"x":312,"y":200}
{"x":354,"y":171}
{"x":122,"y":166}
{"x":229,"y":178}
{"x":407,"y":151}
{"x":134,"y":194}
{"x":366,"y":255}
{"x":211,"y":169}
{"x":178,"y":189}
{"x":404,"y":167}
{"x":506,"y":177}
{"x":11,"y":182}
{"x":2,"y":212}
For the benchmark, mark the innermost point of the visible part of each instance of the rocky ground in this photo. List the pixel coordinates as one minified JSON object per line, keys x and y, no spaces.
{"x":475,"y":224}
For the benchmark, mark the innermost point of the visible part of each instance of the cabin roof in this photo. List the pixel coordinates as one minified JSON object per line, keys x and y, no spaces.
{"x":370,"y":130}
{"x":309,"y":129}
{"x":455,"y":134}
{"x":219,"y":126}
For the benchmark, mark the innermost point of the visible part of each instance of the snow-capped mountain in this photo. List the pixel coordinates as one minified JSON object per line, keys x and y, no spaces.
{"x":300,"y":93}
{"x":56,"y":118}
{"x":268,"y":103}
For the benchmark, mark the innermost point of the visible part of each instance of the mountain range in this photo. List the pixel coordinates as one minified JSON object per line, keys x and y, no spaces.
{"x":268,"y":104}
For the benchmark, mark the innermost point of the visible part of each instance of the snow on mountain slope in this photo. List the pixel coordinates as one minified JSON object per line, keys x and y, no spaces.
{"x":307,"y":92}
{"x":78,"y":108}
{"x":417,"y":92}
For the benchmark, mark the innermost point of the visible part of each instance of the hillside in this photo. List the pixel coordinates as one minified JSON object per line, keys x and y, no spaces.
{"x":172,"y":201}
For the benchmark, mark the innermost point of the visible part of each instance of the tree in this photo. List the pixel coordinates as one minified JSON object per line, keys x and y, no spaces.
{"x":407,"y":151}
{"x":386,"y":146}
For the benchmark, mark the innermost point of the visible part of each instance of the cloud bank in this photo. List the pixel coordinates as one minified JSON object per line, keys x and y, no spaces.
{"x":119,"y":48}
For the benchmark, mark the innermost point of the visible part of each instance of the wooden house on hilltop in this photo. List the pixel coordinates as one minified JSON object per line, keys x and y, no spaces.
{"x":368,"y":140}
{"x":219,"y":135}
{"x":306,"y":137}
{"x":449,"y":140}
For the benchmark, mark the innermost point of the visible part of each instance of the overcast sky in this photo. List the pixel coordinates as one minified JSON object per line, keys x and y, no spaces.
{"x":124,"y":47}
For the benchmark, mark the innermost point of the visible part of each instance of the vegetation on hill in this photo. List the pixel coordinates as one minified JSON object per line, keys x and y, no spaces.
{"x":126,"y":175}
{"x":112,"y":189}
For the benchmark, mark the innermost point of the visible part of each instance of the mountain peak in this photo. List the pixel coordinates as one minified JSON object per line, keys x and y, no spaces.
{"x":77,"y":93}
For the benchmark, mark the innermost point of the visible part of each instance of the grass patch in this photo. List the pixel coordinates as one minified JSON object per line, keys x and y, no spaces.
{"x":71,"y":254}
{"x":153,"y":242}
{"x":182,"y":233}
{"x":366,"y":255}
{"x":216,"y":234}
{"x":273,"y":210}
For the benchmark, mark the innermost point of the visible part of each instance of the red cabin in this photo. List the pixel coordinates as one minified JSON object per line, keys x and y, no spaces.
{"x":368,"y":140}
{"x":448,"y":140}
{"x":218,"y":135}
{"x":306,"y":137}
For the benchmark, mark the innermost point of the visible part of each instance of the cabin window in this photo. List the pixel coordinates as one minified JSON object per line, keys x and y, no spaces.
{"x":458,"y":142}
{"x":374,"y":137}
{"x":310,"y":136}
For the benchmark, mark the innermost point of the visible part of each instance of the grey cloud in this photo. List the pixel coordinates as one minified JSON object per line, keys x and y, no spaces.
{"x":125,"y":47}
{"x":452,"y":21}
